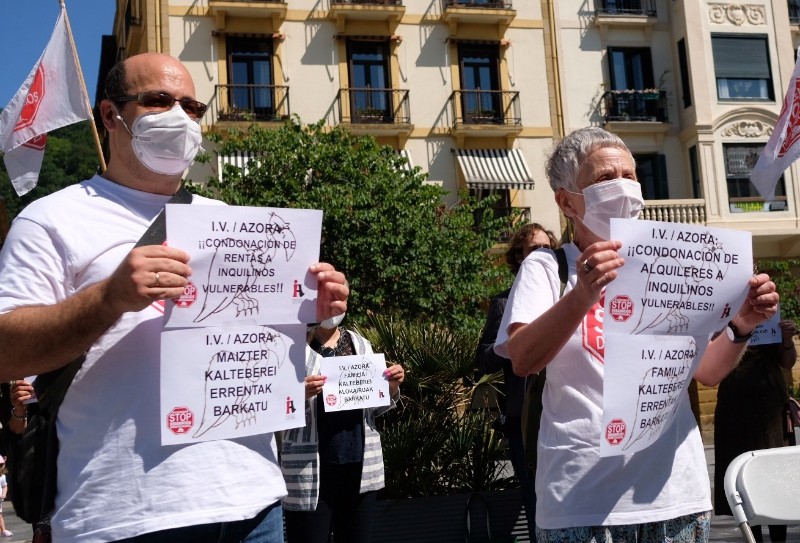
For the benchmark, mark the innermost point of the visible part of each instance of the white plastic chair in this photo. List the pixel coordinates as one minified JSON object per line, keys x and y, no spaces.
{"x":763,"y":487}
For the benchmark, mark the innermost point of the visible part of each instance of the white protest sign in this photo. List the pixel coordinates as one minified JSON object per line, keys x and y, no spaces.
{"x":228,"y":382}
{"x":678,"y":279}
{"x":644,"y":379}
{"x":244,"y":261}
{"x":354,"y":382}
{"x":768,"y":332}
{"x":680,"y":283}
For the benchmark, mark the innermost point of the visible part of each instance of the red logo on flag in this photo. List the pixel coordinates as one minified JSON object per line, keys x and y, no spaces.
{"x":592,"y":330}
{"x":793,"y":125}
{"x":37,"y":142}
{"x":32,"y":101}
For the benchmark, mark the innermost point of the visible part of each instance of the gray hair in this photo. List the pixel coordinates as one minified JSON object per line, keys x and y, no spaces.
{"x":568,"y":155}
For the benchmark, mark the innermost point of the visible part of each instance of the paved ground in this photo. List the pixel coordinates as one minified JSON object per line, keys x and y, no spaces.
{"x":723,"y":529}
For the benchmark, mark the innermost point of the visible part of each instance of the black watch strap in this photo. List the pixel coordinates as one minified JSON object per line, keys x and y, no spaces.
{"x":737,"y":337}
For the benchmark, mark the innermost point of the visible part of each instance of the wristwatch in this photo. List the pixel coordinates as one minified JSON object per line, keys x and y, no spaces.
{"x":734,"y":335}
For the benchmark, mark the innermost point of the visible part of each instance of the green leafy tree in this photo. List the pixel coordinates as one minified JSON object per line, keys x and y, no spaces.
{"x":784,"y":274}
{"x":70,"y":156}
{"x":403,"y":251}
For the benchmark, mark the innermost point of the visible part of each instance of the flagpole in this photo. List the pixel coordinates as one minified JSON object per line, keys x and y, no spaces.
{"x":89,"y":109}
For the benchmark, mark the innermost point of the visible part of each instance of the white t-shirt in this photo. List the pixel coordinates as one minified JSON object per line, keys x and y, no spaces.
{"x":115,"y":480}
{"x":574,"y":486}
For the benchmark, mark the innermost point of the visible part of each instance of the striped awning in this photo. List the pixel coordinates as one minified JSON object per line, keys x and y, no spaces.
{"x":495,"y":169}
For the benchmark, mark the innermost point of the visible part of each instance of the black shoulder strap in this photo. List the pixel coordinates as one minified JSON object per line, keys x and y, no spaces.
{"x":563,"y":268}
{"x":51,"y":387}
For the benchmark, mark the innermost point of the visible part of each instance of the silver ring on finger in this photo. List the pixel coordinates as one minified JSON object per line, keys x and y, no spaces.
{"x":157,"y":283}
{"x":587,"y":267}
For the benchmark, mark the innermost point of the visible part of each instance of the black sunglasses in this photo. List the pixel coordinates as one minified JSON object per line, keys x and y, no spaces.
{"x":162,"y":100}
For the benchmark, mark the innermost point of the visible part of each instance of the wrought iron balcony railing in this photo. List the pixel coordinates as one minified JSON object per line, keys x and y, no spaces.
{"x":626,"y":7}
{"x":485,"y":107}
{"x":252,"y":102}
{"x":378,"y":106}
{"x":496,"y":4}
{"x":369,"y":2}
{"x":636,"y":105}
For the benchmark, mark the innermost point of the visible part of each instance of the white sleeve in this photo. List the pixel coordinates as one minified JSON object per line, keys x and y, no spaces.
{"x":536,"y":289}
{"x":33,"y":269}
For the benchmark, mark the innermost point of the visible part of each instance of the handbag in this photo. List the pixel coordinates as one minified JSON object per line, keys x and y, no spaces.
{"x":489,"y":537}
{"x":33,"y":455}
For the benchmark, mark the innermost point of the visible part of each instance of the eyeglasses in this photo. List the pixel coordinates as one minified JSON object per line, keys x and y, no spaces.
{"x":535,"y":246}
{"x":162,"y":100}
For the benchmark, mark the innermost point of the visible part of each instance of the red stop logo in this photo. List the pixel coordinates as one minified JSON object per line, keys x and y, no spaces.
{"x":615,"y":431}
{"x":180,"y":420}
{"x":32,"y":101}
{"x":621,"y":308}
{"x":188,"y":297}
{"x":37,"y":142}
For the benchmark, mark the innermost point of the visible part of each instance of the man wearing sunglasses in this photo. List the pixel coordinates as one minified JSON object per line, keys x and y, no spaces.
{"x":73,"y":283}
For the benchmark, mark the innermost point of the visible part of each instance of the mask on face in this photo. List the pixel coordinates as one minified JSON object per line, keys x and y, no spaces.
{"x":614,"y":199}
{"x":165,"y":142}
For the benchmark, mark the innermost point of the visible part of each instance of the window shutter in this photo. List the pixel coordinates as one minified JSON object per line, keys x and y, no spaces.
{"x":740,"y":57}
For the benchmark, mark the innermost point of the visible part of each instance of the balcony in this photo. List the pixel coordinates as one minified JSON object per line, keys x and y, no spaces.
{"x":486,"y":12}
{"x":629,"y":14}
{"x":485,"y":113}
{"x":375,"y":111}
{"x":259,"y":9}
{"x":251,"y":103}
{"x":691,"y":211}
{"x":636,"y":111}
{"x":373,"y":11}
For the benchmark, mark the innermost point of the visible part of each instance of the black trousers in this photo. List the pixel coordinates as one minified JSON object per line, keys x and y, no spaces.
{"x":341,"y":510}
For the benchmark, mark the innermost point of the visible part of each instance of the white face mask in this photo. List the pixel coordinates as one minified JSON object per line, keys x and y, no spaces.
{"x":614,"y":199}
{"x":165,"y":142}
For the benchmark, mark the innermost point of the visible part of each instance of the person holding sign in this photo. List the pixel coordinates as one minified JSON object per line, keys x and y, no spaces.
{"x":660,"y":492}
{"x":334,"y":465}
{"x":750,"y":411}
{"x":74,"y":283}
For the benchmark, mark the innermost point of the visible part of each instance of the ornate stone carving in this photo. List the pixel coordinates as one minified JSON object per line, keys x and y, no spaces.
{"x":747,"y":129}
{"x":737,"y":14}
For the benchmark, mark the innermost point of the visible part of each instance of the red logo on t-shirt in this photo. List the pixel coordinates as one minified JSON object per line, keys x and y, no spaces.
{"x":592,"y":331}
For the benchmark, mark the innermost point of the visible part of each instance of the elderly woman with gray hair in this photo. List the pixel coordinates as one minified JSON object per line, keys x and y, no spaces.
{"x":657,"y":494}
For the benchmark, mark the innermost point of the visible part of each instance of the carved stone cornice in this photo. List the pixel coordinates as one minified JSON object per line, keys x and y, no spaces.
{"x":737,"y":14}
{"x":747,"y":129}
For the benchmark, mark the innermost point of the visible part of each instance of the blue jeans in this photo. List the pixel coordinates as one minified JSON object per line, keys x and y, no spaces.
{"x":265,"y":527}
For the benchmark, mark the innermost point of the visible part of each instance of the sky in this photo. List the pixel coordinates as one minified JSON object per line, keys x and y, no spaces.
{"x":25,"y":29}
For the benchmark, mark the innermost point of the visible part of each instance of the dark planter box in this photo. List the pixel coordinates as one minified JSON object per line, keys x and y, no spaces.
{"x":442,"y":519}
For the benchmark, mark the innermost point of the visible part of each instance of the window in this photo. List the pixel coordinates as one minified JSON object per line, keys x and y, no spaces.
{"x":630,"y":68}
{"x":250,"y":80}
{"x":741,"y":66}
{"x":694,"y":171}
{"x":651,"y":170}
{"x":481,"y":98}
{"x":740,"y":159}
{"x":370,"y":86}
{"x":683,"y":63}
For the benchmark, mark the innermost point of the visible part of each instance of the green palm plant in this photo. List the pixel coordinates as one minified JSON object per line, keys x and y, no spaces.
{"x":435,"y":442}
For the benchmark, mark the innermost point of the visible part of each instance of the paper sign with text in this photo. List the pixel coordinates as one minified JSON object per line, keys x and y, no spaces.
{"x":768,"y":332}
{"x":229,"y":382}
{"x":645,"y":377}
{"x":680,"y":283}
{"x":678,"y":279}
{"x":249,"y":265}
{"x":354,"y":382}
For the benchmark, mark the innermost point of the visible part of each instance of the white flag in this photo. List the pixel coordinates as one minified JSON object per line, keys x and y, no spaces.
{"x":52,"y":96}
{"x":783,"y":146}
